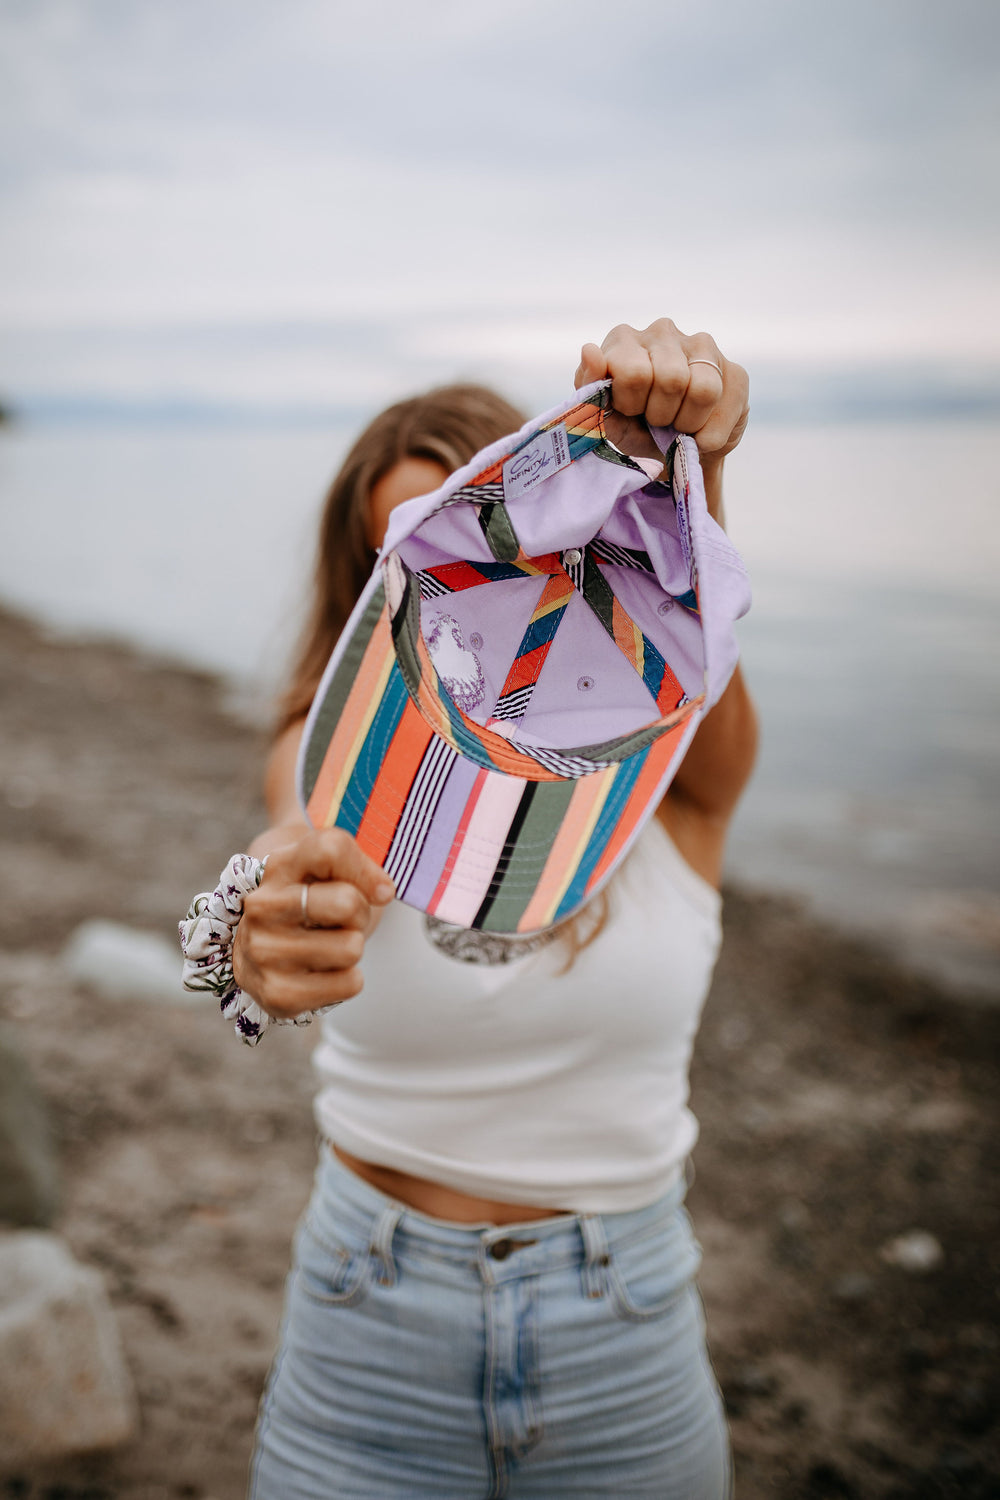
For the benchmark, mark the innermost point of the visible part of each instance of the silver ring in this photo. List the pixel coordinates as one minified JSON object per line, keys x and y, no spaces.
{"x":708,"y":362}
{"x":304,"y":907}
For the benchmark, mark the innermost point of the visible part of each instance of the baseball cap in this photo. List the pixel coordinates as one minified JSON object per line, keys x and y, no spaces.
{"x":524,"y":671}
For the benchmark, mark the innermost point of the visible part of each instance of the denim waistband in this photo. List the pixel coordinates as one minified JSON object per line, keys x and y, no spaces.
{"x":344,"y":1203}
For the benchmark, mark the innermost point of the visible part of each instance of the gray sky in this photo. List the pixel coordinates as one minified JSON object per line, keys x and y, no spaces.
{"x":318,"y":201}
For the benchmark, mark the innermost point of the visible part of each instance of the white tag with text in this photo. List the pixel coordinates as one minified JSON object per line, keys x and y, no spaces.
{"x":529,"y":466}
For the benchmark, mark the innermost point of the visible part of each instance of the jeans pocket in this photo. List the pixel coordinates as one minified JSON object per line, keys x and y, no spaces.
{"x":329,"y":1273}
{"x":647,"y":1276}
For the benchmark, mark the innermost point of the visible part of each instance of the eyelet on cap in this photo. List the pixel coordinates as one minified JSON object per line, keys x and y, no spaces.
{"x":476,"y":641}
{"x":585,"y":684}
{"x":664,"y":607}
{"x":572,"y":556}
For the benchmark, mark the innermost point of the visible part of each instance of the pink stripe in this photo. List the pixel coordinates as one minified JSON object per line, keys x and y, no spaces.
{"x":456,"y":844}
{"x":479,"y":848}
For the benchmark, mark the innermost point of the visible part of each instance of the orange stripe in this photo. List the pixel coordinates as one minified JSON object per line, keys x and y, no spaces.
{"x":503,"y":755}
{"x":670,"y":693}
{"x":392,"y":787}
{"x":525,"y":669}
{"x":556,"y":591}
{"x":458,"y":575}
{"x":581,"y":419}
{"x":624,"y":630}
{"x":645,"y":787}
{"x":342,"y":744}
{"x":493,"y":474}
{"x":553,"y":878}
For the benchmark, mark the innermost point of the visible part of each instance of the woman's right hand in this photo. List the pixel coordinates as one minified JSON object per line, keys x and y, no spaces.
{"x":295,"y":952}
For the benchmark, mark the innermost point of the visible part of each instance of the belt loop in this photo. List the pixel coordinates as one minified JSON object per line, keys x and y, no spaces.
{"x":596,"y":1257}
{"x":381,"y":1243}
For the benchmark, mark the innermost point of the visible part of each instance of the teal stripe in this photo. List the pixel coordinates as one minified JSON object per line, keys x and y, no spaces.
{"x":607,"y":821}
{"x":358,"y":792}
{"x":469,"y":744}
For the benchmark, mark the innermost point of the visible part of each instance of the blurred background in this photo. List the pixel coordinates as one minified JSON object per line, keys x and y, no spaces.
{"x":231,"y":231}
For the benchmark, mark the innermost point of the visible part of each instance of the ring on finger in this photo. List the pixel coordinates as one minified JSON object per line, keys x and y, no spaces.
{"x":304,"y":906}
{"x":708,"y":362}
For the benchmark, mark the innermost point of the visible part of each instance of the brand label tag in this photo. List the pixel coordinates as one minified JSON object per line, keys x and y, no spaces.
{"x":546,"y":455}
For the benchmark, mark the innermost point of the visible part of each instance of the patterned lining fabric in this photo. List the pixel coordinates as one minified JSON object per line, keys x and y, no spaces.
{"x":477,"y":830}
{"x":472,"y":947}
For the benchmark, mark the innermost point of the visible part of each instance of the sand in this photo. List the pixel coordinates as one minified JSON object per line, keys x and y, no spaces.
{"x":843,"y":1103}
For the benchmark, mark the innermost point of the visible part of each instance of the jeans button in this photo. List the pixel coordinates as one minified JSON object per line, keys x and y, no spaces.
{"x":500,"y":1249}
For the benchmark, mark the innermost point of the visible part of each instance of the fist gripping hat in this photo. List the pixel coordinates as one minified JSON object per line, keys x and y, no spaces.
{"x":524,"y":671}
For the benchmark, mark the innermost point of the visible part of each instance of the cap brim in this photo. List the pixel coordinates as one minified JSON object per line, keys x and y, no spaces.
{"x":471,"y":845}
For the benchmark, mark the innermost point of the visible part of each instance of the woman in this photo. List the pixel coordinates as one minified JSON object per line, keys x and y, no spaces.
{"x":493,"y":1291}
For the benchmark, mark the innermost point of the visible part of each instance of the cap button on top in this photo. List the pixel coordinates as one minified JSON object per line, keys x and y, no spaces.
{"x":572,"y":556}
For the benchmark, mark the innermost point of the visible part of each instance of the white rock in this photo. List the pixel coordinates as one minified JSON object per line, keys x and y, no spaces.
{"x":126,"y":964}
{"x":916,"y":1251}
{"x":64,"y":1387}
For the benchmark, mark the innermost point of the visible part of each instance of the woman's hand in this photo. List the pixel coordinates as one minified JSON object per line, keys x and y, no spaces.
{"x":673,"y":379}
{"x":303,"y":931}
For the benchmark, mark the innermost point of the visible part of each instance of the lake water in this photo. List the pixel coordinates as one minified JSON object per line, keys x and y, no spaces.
{"x":872,"y":647}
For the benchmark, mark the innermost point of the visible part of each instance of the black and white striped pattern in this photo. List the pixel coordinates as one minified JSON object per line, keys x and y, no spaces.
{"x":423,"y":798}
{"x":512,"y":705}
{"x":574,"y":569}
{"x":624,"y":557}
{"x":478,"y":494}
{"x":564,"y":765}
{"x":431,"y":587}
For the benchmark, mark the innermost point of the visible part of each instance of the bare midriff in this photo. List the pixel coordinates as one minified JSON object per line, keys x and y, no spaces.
{"x":441,"y":1202}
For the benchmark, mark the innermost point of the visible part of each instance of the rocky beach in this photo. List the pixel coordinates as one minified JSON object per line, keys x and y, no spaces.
{"x":845,"y":1190}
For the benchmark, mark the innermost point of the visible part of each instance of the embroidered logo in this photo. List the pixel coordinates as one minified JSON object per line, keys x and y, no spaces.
{"x":456,"y":665}
{"x":543,"y":456}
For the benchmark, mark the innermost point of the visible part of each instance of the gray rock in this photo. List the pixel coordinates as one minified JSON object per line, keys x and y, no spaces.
{"x":29,"y":1182}
{"x":64,"y":1387}
{"x":917,"y":1252}
{"x":123,"y":963}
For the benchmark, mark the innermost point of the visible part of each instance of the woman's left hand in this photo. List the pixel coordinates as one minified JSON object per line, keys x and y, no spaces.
{"x":673,"y":379}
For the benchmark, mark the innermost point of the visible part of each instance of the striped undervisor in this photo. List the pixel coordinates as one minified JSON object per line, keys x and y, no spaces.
{"x":468,"y":840}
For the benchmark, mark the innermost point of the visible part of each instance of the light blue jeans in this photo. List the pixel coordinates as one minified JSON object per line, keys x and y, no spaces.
{"x":419,"y":1358}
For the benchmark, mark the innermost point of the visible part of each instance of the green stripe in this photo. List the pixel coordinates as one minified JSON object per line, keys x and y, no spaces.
{"x":598,"y":593}
{"x":499,"y":532}
{"x":338,"y":692}
{"x":527,"y":860}
{"x":621,"y":749}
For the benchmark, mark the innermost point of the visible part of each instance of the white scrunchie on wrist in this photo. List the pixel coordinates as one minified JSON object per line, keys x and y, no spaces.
{"x":207,"y":938}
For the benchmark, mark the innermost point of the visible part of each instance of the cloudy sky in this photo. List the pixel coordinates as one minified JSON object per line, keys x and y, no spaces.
{"x":315,"y":202}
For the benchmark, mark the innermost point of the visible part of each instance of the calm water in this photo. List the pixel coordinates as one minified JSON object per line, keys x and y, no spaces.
{"x":872,"y":646}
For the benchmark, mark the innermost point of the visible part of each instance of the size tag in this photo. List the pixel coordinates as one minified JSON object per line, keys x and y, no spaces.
{"x":546,"y":455}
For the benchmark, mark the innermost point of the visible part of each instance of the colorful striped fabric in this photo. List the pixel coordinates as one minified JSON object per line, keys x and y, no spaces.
{"x":472,"y":827}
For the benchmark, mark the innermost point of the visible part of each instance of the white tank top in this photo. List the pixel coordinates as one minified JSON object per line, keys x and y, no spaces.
{"x":521,"y":1083}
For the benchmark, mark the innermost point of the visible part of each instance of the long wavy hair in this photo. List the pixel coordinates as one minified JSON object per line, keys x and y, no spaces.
{"x":449,"y":426}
